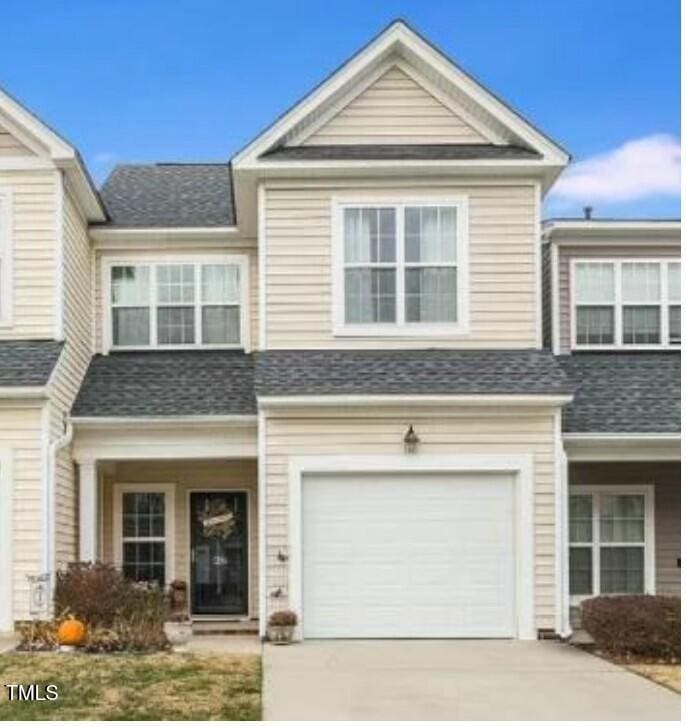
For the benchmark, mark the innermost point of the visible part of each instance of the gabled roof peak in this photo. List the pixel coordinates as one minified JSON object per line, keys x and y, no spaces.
{"x":400,"y":44}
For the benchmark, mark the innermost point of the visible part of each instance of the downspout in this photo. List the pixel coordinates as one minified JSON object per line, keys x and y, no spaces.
{"x":53,"y":451}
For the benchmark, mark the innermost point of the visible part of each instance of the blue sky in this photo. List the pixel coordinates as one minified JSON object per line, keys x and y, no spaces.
{"x":147,"y":80}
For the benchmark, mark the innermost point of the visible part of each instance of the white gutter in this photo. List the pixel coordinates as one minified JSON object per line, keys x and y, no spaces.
{"x":8,"y":392}
{"x":114,"y":421}
{"x":614,"y":228}
{"x":618,"y":437}
{"x":106,"y":233}
{"x":419,"y":400}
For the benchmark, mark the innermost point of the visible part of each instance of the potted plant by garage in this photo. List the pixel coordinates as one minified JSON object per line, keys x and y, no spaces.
{"x":178,"y":626}
{"x":281,"y":626}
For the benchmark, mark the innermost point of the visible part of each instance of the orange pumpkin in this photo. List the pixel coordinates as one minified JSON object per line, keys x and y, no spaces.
{"x":71,"y":632}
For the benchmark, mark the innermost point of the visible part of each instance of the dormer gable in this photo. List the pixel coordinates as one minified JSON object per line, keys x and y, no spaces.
{"x":399,"y":89}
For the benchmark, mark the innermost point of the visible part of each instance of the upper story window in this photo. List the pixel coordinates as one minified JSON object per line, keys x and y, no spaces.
{"x":632,"y":303}
{"x":6,"y":248}
{"x":401,"y":268}
{"x":178,"y":304}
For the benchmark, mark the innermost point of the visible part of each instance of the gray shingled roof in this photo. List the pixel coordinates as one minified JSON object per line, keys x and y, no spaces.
{"x":623,"y":392}
{"x":168,"y":383}
{"x":27,"y":362}
{"x":398,"y":152}
{"x":311,"y":372}
{"x":170,"y":195}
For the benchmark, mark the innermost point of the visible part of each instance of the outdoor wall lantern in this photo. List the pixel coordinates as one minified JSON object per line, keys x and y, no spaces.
{"x":411,"y":441}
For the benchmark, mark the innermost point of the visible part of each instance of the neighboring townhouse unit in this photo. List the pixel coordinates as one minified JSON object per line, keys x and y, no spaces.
{"x":349,"y":372}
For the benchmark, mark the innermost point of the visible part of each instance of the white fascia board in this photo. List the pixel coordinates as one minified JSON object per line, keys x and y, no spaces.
{"x":83,"y":188}
{"x":622,"y":447}
{"x":301,"y":109}
{"x":272,"y":402}
{"x":160,"y":421}
{"x":32,"y":132}
{"x":602,"y":438}
{"x":531,"y":166}
{"x":616,"y":230}
{"x":482,"y":96}
{"x":43,"y":141}
{"x":399,"y":35}
{"x":9,"y":392}
{"x":172,"y":234}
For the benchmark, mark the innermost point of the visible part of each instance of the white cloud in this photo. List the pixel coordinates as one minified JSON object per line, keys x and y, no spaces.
{"x":640,"y":168}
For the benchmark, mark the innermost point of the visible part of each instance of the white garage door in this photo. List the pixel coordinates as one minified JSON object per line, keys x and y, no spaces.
{"x":408,"y":556}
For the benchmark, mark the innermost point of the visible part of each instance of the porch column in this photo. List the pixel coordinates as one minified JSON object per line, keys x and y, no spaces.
{"x":88,"y":510}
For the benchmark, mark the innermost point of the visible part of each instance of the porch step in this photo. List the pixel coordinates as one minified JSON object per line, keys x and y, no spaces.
{"x":581,"y":637}
{"x":225,"y":627}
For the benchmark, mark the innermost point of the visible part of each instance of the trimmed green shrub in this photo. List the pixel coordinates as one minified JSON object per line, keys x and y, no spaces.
{"x":635,"y":626}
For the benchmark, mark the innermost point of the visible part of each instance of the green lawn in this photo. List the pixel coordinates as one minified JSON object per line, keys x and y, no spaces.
{"x":135,"y":687}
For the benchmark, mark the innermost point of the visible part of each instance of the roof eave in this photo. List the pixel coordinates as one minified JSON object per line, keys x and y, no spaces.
{"x":111,"y":233}
{"x":566,"y":231}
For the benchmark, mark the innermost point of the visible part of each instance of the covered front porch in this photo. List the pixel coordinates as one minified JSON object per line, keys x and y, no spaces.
{"x":624,"y":516}
{"x":172,"y":500}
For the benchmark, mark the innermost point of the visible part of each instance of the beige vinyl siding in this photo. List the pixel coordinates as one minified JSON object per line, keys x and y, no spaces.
{"x":21,"y":432}
{"x":377,"y":431}
{"x":70,"y":371}
{"x":568,"y":253}
{"x":666,"y":478}
{"x":153,"y":251}
{"x":11,"y":146}
{"x":395,"y":109}
{"x":35,"y":224}
{"x":202,"y":475}
{"x":502,"y":262}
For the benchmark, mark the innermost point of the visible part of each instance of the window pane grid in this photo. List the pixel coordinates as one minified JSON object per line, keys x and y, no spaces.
{"x":613,"y":562}
{"x":399,"y":264}
{"x":595,"y":325}
{"x":175,"y":284}
{"x":641,"y":324}
{"x":143,"y":536}
{"x":189,"y":304}
{"x":641,"y":282}
{"x":639,"y":297}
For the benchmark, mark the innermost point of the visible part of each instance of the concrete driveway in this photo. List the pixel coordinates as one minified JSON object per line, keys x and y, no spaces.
{"x":453,"y":680}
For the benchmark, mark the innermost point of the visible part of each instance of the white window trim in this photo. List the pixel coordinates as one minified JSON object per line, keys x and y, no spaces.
{"x":7,"y":257}
{"x":242,"y":261}
{"x":618,"y":304}
{"x":648,"y":492}
{"x":399,"y":329}
{"x":118,"y":491}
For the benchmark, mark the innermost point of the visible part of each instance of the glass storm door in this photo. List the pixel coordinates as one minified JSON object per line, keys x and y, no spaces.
{"x":219,"y":553}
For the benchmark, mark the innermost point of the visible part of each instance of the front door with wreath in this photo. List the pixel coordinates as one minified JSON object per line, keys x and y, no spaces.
{"x":219,"y":553}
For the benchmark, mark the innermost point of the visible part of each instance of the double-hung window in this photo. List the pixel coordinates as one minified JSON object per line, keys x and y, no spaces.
{"x":402,"y":268}
{"x":143,"y":531}
{"x":178,"y":304}
{"x":610,"y":540}
{"x":628,"y":303}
